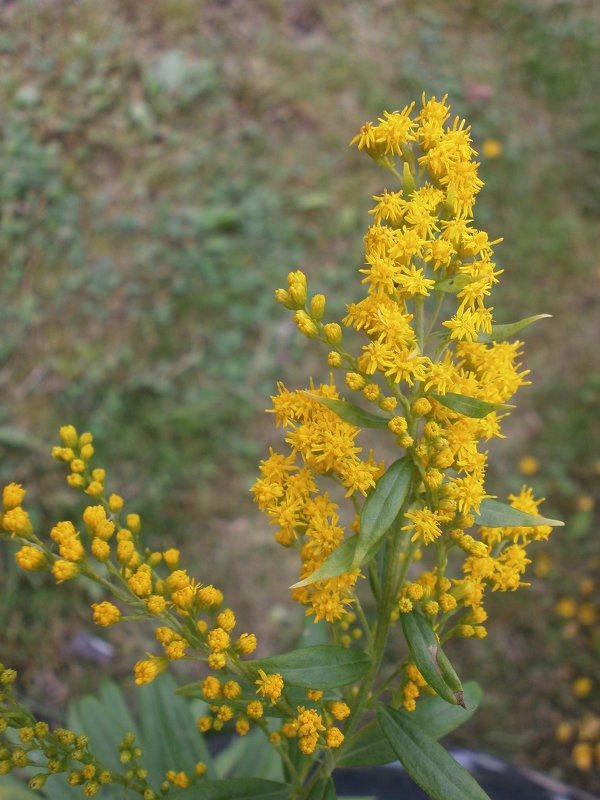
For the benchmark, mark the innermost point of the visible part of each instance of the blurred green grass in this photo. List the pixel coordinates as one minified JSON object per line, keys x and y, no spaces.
{"x":163,"y":166}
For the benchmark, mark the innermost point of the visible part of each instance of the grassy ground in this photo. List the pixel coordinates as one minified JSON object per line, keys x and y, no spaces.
{"x":164,"y":165}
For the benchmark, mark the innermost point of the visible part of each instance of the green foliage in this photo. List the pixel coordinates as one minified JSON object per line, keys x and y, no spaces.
{"x":432,"y":715}
{"x":322,"y":666}
{"x":426,"y":652}
{"x":427,"y":763}
{"x":494,"y":514}
{"x":382,"y":506}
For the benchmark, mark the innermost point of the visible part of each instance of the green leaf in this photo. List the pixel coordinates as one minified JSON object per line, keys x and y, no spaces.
{"x":317,"y":667}
{"x":382,"y":506}
{"x":313,"y":632}
{"x":501,"y":332}
{"x":11,"y":790}
{"x":457,"y":282}
{"x":323,"y":790}
{"x":433,"y":716}
{"x":337,"y":563}
{"x":104,"y":724}
{"x":170,"y":738}
{"x":468,"y":406}
{"x":250,"y":757}
{"x":355,"y":415}
{"x":427,"y":762}
{"x":424,"y":647}
{"x":494,"y":514}
{"x":237,"y":789}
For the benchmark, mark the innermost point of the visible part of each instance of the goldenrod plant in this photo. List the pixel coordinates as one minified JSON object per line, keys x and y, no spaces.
{"x":419,"y":545}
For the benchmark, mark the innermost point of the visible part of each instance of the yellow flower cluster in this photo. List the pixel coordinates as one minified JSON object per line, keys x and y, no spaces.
{"x":422,"y":245}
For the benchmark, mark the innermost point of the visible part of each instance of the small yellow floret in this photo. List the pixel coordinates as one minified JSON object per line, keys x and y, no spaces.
{"x":146,"y":671}
{"x":269,"y":686}
{"x":314,"y":694}
{"x":171,"y":558}
{"x":133,"y":522}
{"x":12,"y":496}
{"x":254,"y":709}
{"x":69,"y":435}
{"x":156,"y":604}
{"x":106,"y":613}
{"x":218,"y":640}
{"x":30,"y":558}
{"x":339,"y":709}
{"x":334,"y":737}
{"x":246,"y":644}
{"x":64,"y":570}
{"x":226,"y":620}
{"x":115,"y":503}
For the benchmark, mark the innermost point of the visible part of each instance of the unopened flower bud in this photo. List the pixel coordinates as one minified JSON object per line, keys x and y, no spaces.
{"x":333,"y":333}
{"x":317,"y":307}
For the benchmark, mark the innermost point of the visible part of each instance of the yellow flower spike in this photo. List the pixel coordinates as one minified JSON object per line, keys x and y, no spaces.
{"x":106,"y":613}
{"x":68,"y":434}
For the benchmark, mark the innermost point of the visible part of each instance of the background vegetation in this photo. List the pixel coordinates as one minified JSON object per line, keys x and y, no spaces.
{"x":163,"y":166}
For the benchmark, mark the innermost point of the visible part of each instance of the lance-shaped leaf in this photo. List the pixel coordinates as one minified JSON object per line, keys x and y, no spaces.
{"x":433,"y":716}
{"x":427,"y":762}
{"x":323,"y":790}
{"x":351,"y":413}
{"x":339,"y":562}
{"x":457,"y":282}
{"x":469,"y":406}
{"x":494,"y":514}
{"x":237,"y":789}
{"x":424,"y":648}
{"x":382,"y":506}
{"x":317,"y":667}
{"x":501,"y":332}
